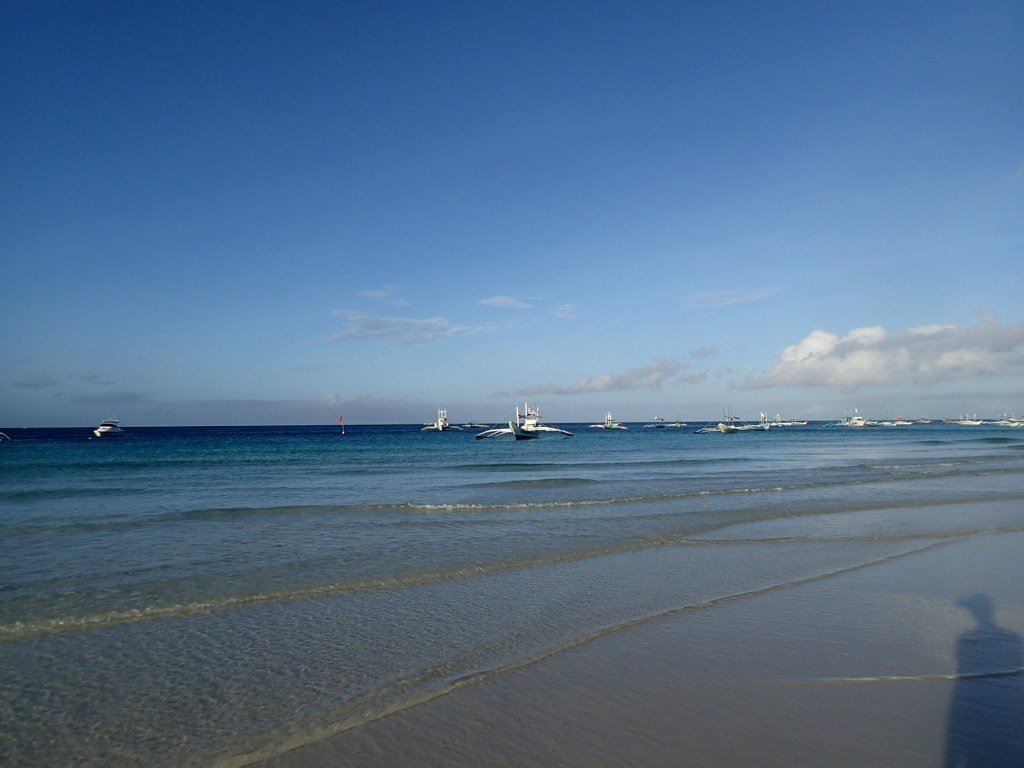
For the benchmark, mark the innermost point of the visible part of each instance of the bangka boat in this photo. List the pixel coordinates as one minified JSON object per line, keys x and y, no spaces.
{"x":726,"y":427}
{"x":762,"y":424}
{"x":526,"y":426}
{"x":969,"y":421}
{"x":108,"y":428}
{"x":609,"y":423}
{"x":441,"y":424}
{"x":660,"y":423}
{"x":778,"y":422}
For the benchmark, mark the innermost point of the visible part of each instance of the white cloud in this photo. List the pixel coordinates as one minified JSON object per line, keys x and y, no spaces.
{"x":650,"y":376}
{"x":394,"y":331}
{"x":922,"y":355}
{"x":388,"y":293}
{"x":702,"y":301}
{"x":505,"y":302}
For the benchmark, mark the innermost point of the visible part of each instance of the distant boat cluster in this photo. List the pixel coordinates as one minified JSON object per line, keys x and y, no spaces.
{"x":527,"y":424}
{"x":854,"y":420}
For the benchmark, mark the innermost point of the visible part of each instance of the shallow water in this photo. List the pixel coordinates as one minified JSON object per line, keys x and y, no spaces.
{"x":193,"y":596}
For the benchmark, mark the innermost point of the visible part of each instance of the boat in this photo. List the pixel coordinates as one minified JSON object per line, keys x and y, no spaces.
{"x":4,"y":438}
{"x":850,"y":421}
{"x":526,"y":426}
{"x":778,"y":422}
{"x":475,"y":425}
{"x":722,"y":427}
{"x":728,"y":426}
{"x":762,"y":424}
{"x":891,"y":423}
{"x":1008,"y":420}
{"x":108,"y":428}
{"x":968,"y":421}
{"x":609,"y":423}
{"x":731,"y":424}
{"x":441,"y":424}
{"x":660,"y":423}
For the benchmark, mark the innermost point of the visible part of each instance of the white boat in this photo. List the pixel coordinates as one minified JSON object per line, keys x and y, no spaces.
{"x":660,"y":423}
{"x":850,"y":421}
{"x":726,"y":427}
{"x":525,"y":427}
{"x":969,"y":421}
{"x":108,"y":428}
{"x":722,"y":427}
{"x":761,"y":425}
{"x":1008,"y":420}
{"x":778,"y":422}
{"x":609,"y":423}
{"x":441,"y":424}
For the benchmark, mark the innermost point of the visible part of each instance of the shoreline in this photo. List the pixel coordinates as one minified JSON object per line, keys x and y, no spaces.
{"x":852,"y":669}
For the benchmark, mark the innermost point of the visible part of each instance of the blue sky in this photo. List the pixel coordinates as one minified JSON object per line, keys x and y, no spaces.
{"x":264,"y":213}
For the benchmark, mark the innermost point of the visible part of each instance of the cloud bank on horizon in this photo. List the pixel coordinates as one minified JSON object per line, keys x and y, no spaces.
{"x":923,"y":356}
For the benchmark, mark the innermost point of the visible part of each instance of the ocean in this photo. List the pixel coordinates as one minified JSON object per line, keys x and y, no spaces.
{"x":217,"y":595}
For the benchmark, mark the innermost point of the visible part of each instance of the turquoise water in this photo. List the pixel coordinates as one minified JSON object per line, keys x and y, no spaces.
{"x":210,"y":595}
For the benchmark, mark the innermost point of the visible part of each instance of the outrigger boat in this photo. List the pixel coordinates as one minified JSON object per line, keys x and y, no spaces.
{"x":726,"y":427}
{"x":526,"y":426}
{"x":731,"y":424}
{"x":609,"y":423}
{"x":660,"y":423}
{"x":778,"y":422}
{"x":442,"y":422}
{"x":761,"y":425}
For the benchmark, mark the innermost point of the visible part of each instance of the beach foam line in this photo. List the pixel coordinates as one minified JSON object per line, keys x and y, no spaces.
{"x":891,"y":473}
{"x":922,"y":678}
{"x":603,"y":465}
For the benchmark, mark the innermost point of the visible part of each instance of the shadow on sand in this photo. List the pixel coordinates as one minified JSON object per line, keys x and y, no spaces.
{"x":986,"y":714}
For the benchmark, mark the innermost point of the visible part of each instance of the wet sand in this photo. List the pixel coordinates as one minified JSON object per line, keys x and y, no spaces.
{"x":897,"y":663}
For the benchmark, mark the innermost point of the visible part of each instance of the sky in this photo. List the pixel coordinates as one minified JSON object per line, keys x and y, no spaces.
{"x":281,"y":213}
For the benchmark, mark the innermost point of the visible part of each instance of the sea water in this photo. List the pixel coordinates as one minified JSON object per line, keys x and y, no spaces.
{"x":208,"y":596}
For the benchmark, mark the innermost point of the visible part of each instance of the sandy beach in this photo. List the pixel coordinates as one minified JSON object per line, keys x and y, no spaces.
{"x":913,"y":660}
